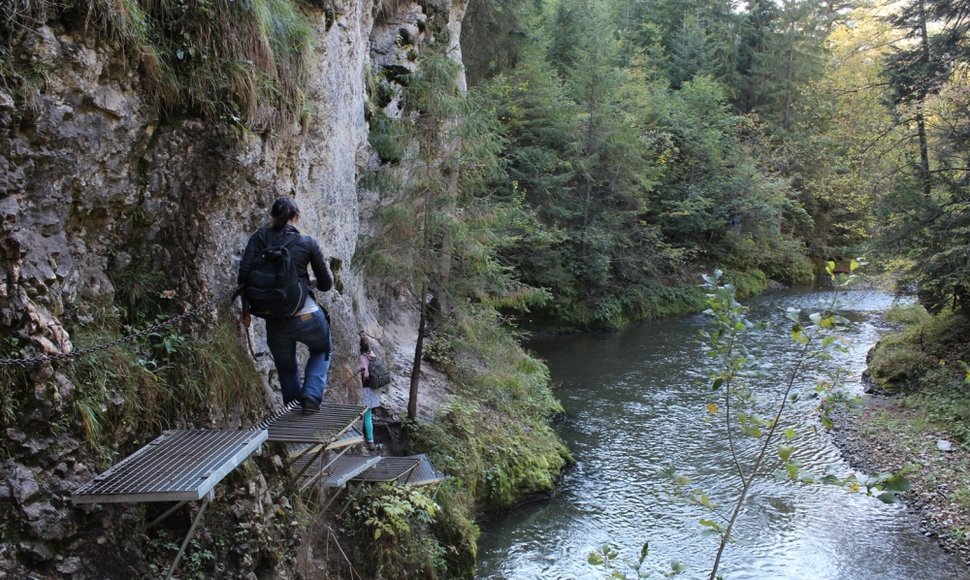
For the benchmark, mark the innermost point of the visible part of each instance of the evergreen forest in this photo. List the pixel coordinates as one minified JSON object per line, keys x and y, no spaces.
{"x":643,"y":141}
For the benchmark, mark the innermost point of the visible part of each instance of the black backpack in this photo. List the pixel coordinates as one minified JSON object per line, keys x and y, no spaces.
{"x":274,"y":288}
{"x":377,"y":374}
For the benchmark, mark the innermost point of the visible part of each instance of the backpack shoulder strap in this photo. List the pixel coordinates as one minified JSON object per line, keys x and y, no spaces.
{"x":264,"y":236}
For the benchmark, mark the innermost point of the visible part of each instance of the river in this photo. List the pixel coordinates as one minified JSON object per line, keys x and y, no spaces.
{"x":635,"y":402}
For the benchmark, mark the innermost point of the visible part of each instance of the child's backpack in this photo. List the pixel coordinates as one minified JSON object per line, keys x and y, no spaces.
{"x":377,"y":374}
{"x":274,"y":288}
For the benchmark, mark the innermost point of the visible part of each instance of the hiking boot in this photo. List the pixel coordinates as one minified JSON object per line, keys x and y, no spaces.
{"x":309,"y":406}
{"x":371,"y":446}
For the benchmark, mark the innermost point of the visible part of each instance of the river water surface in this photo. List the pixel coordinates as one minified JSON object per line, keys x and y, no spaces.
{"x":635,"y":403}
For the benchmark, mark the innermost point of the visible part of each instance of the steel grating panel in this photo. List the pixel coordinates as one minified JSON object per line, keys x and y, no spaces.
{"x":389,"y":469}
{"x":323,"y":426}
{"x":336,"y":471}
{"x":348,"y":467}
{"x":424,"y":473}
{"x":276,"y":415}
{"x":351,"y":437}
{"x":179,"y":465}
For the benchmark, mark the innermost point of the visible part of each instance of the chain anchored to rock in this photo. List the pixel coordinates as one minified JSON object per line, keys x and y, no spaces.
{"x":42,"y":358}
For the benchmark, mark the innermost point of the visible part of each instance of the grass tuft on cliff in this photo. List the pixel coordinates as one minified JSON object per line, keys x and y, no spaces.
{"x":130,"y":393}
{"x":240,"y":63}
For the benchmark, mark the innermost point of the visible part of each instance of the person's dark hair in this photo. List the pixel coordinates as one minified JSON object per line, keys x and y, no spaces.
{"x":283,"y":211}
{"x":364,"y":346}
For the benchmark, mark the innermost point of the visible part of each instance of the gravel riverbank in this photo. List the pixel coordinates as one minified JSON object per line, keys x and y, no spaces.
{"x":885,"y":436}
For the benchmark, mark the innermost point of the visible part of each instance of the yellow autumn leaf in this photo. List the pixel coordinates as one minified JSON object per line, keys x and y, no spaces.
{"x":712,"y":408}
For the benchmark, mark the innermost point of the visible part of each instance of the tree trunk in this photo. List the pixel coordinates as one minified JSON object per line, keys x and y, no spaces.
{"x":418,"y":353}
{"x":924,"y":152}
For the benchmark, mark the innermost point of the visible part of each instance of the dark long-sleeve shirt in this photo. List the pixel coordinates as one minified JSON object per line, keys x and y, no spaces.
{"x":304,"y":251}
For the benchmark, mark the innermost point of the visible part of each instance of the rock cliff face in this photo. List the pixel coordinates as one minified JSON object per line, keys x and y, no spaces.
{"x":94,"y":183}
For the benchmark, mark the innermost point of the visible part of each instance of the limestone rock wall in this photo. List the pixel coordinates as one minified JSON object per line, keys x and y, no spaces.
{"x":93,"y":183}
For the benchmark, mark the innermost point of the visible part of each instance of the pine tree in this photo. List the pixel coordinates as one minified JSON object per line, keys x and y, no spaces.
{"x":439,"y":235}
{"x":931,"y":207}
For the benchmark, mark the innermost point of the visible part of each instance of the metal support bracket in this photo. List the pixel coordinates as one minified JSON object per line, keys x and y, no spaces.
{"x":195,"y":522}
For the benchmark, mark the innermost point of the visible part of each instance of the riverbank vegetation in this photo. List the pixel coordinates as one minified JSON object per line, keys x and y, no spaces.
{"x":653,"y":140}
{"x":650,"y":146}
{"x":926,"y":365}
{"x":918,"y":420}
{"x":440,"y":233}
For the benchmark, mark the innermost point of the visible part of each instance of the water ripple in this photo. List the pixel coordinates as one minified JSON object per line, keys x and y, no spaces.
{"x":635,"y":404}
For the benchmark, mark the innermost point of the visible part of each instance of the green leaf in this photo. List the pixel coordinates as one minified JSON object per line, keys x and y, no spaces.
{"x":789,"y":434}
{"x":595,"y":559}
{"x":854,"y":265}
{"x":792,"y":470}
{"x":888,"y":497}
{"x":785,"y":451}
{"x":798,"y":336}
{"x":718,"y":382}
{"x":711,"y":524}
{"x":896,"y":483}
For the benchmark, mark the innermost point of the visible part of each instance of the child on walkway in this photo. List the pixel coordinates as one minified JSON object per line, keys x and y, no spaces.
{"x":372,"y":397}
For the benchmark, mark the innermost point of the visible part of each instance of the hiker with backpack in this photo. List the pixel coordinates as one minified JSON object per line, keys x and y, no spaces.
{"x":374,"y":375}
{"x":275,"y":286}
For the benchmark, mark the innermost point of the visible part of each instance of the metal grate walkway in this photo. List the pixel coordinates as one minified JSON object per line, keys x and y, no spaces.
{"x":177,"y":466}
{"x":390,"y":469}
{"x":424,"y":473}
{"x":338,"y":471}
{"x":323,"y":426}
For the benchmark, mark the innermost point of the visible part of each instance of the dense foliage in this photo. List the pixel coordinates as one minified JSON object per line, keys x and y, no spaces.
{"x":930,"y":197}
{"x":646,"y":141}
{"x":654,"y":139}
